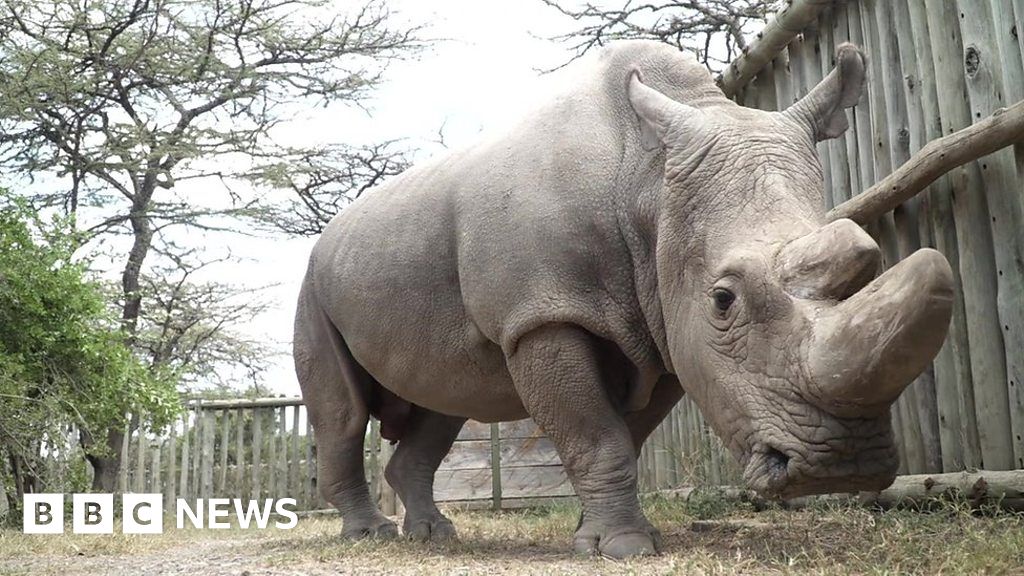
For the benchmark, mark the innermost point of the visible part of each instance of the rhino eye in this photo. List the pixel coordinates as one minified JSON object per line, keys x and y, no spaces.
{"x":723,"y":298}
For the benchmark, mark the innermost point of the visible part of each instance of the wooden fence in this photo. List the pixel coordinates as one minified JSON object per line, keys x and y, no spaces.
{"x":227,"y":448}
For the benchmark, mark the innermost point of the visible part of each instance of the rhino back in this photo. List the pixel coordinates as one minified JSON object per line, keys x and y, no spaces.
{"x":432,"y":277}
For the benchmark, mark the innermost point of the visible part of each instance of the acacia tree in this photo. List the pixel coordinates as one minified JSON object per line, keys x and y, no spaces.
{"x":322,"y":186}
{"x":186,"y":325}
{"x":125,"y":101}
{"x":717,"y":30}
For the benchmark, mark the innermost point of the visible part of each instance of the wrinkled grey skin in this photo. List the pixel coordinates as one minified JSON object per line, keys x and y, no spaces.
{"x":638,"y":236}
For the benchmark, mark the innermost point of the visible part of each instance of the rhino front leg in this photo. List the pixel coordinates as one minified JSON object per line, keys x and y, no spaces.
{"x":557,"y":373}
{"x":427,"y":439}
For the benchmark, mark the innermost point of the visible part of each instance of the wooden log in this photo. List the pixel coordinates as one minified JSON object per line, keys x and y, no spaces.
{"x":974,"y":239}
{"x":987,"y":89}
{"x":376,"y":471}
{"x":155,"y":485}
{"x":172,"y":464}
{"x":295,"y":464}
{"x":954,"y":381}
{"x":186,"y":441}
{"x":779,"y":32}
{"x":495,"y":466}
{"x":812,"y":75}
{"x":245,"y":403}
{"x":764,"y":88}
{"x":197,"y":453}
{"x":883,"y":228}
{"x":1002,"y":488}
{"x":239,"y":488}
{"x":122,"y":481}
{"x":861,"y":127}
{"x":389,"y":500}
{"x":141,"y":448}
{"x":225,"y":431}
{"x":257,"y":449}
{"x":920,"y":415}
{"x":926,"y":402}
{"x":281,"y":466}
{"x":834,"y":32}
{"x":783,"y":80}
{"x":312,"y":498}
{"x":270,"y":413}
{"x":1003,"y":128}
{"x":207,"y":460}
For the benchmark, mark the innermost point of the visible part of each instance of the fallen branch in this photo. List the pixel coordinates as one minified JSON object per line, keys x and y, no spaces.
{"x":1004,"y":489}
{"x":1004,"y":128}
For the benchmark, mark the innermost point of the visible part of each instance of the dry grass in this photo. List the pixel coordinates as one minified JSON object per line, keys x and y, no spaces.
{"x":702,"y":536}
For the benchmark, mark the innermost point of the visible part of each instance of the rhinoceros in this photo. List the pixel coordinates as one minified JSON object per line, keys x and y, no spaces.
{"x":636,"y":237}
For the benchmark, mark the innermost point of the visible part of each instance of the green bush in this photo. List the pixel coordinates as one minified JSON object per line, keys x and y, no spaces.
{"x":64,"y":364}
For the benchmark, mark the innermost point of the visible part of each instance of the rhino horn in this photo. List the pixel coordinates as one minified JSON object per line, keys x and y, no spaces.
{"x":656,"y":112}
{"x":865,"y":350}
{"x":831,"y":263}
{"x":822,"y":109}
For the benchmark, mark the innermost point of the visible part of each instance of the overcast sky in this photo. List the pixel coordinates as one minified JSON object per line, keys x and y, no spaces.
{"x":483,"y":74}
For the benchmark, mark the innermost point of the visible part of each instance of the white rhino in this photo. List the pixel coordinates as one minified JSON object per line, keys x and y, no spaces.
{"x":636,"y":237}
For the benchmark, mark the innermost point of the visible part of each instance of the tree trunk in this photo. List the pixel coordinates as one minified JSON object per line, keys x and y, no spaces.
{"x":105,"y":466}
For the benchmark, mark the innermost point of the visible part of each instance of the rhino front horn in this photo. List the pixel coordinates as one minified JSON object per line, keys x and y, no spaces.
{"x":865,"y":350}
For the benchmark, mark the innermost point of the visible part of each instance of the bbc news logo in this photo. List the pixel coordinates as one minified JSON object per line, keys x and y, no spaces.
{"x":144,"y":513}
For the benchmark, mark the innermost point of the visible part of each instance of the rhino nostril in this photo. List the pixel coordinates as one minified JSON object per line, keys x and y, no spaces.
{"x":776,"y":460}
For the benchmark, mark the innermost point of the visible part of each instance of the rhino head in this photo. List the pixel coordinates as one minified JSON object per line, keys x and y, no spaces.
{"x":775,"y":321}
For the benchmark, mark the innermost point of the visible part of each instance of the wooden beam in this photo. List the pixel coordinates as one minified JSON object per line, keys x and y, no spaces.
{"x":254,"y":403}
{"x":777,"y":34}
{"x":1003,"y":128}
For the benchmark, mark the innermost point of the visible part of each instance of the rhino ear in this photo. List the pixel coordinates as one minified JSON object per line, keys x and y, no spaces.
{"x":657,"y":112}
{"x":822,"y":109}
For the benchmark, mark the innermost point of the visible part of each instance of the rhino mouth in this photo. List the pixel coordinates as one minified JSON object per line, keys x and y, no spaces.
{"x":776,"y":475}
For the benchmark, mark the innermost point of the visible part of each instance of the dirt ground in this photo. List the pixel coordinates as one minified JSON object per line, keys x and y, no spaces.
{"x":701,"y":536}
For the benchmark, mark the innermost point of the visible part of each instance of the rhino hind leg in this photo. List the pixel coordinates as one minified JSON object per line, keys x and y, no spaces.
{"x":557,"y":371}
{"x":427,"y":438}
{"x":335,"y":390}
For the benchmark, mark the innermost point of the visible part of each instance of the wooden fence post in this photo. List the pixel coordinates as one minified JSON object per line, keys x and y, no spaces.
{"x":171,"y":494}
{"x":987,"y":54}
{"x":974,"y":238}
{"x":239,"y":451}
{"x":225,"y":431}
{"x":495,"y":466}
{"x":257,"y":446}
{"x":207,"y":460}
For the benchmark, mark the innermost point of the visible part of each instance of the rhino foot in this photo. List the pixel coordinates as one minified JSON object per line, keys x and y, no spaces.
{"x":618,"y":543}
{"x":380,"y":528}
{"x":437,"y":529}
